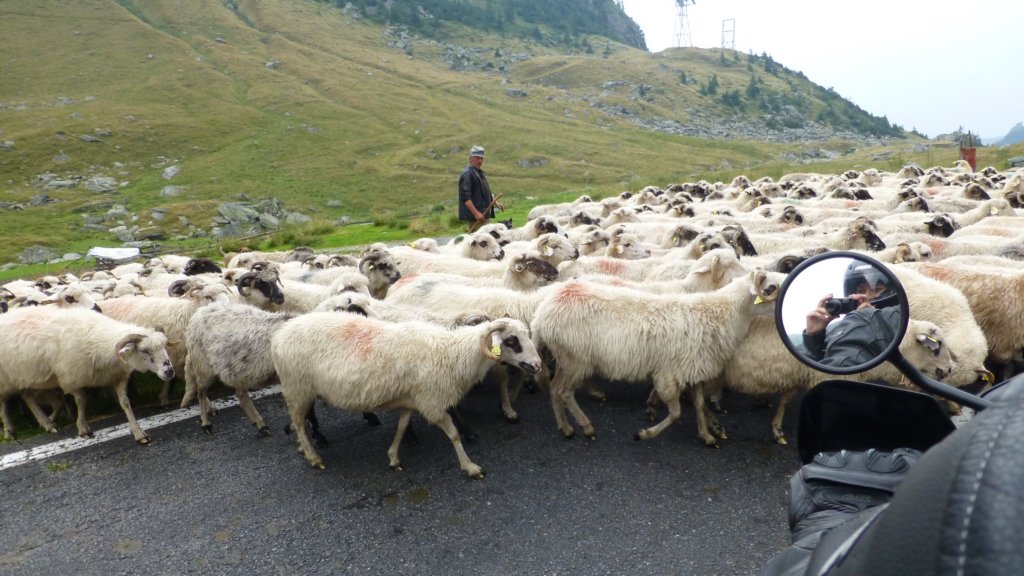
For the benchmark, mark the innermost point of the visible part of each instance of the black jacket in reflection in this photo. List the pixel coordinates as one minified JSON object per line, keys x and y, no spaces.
{"x":856,"y":338}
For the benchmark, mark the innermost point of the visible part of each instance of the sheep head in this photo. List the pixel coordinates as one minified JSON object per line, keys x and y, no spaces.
{"x":507,"y":341}
{"x":683,"y":235}
{"x":535,"y":265}
{"x":765,"y":288}
{"x":267,"y":282}
{"x":146,"y":353}
{"x":199,"y":266}
{"x":941,"y":225}
{"x":865,"y":229}
{"x":737,"y":237}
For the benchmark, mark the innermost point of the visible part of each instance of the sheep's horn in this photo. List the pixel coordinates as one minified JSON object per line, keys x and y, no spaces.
{"x":129,"y":340}
{"x":485,"y":342}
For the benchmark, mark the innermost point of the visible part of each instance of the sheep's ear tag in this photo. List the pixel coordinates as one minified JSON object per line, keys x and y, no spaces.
{"x":988,"y":377}
{"x":495,"y":346}
{"x":758,"y":299}
{"x":549,"y":251}
{"x":675,"y":239}
{"x":618,"y":249}
{"x":412,"y":244}
{"x":993,"y":211}
{"x":930,"y":343}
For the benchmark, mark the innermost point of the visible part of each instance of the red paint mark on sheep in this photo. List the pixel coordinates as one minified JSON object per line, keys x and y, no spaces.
{"x":611,"y":267}
{"x":936,"y":271}
{"x":359,"y":336}
{"x":404,"y":280}
{"x":571,"y":293}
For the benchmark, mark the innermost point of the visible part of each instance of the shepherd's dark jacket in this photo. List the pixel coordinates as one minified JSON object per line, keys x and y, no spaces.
{"x":473,"y":186}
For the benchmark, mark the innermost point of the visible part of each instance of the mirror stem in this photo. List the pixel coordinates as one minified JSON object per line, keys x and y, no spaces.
{"x":936,"y":387}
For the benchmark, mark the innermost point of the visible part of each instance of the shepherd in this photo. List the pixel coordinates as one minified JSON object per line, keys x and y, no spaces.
{"x":476,"y":203}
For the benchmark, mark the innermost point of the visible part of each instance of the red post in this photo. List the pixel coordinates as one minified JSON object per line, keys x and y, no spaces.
{"x":969,"y":153}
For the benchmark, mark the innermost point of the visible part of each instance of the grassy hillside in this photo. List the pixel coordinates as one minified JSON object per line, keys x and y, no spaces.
{"x":295,"y":100}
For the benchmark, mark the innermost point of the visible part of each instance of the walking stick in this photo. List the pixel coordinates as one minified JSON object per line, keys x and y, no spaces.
{"x":476,"y":224}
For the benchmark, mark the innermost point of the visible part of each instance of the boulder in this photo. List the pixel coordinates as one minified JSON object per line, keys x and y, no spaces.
{"x":101,"y":184}
{"x":172,"y":191}
{"x":36,"y":255}
{"x":170,"y":172}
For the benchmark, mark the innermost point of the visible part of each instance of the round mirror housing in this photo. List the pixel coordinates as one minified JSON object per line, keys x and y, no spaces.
{"x":842,"y":313}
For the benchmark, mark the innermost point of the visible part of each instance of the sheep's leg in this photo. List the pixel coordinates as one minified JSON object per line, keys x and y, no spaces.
{"x":653,"y":403}
{"x":462,"y":425}
{"x":250,"y":410}
{"x":563,"y":397}
{"x":165,"y":394}
{"x":596,"y":393}
{"x":714,"y":396}
{"x":6,"y":418}
{"x":83,"y":425}
{"x":568,"y":398}
{"x":298,"y":412}
{"x":122,"y":397}
{"x":703,"y":416}
{"x":314,"y":425}
{"x":403,"y":423}
{"x":204,"y":411}
{"x":448,"y":427}
{"x":502,"y":376}
{"x":44,"y":421}
{"x":780,"y":413}
{"x":669,"y":394}
{"x":554,"y":390}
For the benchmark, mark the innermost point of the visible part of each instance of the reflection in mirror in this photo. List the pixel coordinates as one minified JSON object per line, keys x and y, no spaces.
{"x":842,"y":313}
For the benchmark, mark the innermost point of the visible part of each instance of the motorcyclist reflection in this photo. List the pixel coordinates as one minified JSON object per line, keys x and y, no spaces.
{"x":861,"y":334}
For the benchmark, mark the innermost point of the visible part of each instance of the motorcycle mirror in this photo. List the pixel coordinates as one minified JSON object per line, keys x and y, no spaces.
{"x":844,"y":336}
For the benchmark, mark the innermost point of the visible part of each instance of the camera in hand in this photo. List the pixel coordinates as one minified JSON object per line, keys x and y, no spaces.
{"x":837,"y":306}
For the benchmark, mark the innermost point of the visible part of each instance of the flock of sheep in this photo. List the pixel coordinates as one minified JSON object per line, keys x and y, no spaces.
{"x":673,"y":288}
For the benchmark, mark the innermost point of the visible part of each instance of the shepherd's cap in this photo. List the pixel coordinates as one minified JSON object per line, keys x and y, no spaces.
{"x":476,"y":151}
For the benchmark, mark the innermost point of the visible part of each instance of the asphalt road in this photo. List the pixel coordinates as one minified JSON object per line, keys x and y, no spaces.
{"x":234,"y":503}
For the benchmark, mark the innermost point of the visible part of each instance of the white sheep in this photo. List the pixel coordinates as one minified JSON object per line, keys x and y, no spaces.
{"x":231,"y":342}
{"x":947,"y":307}
{"x":683,"y":341}
{"x":524,"y":272}
{"x":75,"y":349}
{"x":367,"y":365}
{"x":993,"y":295}
{"x":171,"y":315}
{"x":475,"y":246}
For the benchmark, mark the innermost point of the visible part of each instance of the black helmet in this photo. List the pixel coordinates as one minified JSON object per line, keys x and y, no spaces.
{"x":858,"y":273}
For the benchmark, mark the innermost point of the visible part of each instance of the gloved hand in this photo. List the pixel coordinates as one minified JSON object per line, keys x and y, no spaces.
{"x":836,"y":485}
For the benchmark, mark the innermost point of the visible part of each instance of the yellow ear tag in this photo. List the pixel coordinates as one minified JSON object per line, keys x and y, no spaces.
{"x":758,"y":300}
{"x":496,"y":350}
{"x":675,"y":239}
{"x":618,"y":249}
{"x":988,"y":377}
{"x":549,"y":251}
{"x":412,"y":244}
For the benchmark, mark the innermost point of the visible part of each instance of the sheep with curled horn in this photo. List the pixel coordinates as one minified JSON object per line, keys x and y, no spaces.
{"x":380,"y":268}
{"x":200,"y":266}
{"x":261,"y":287}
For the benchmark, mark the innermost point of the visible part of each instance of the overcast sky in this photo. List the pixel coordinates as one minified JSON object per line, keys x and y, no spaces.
{"x":932,"y":66}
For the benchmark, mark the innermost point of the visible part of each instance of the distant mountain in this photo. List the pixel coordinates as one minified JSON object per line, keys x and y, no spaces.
{"x":1016,"y":134}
